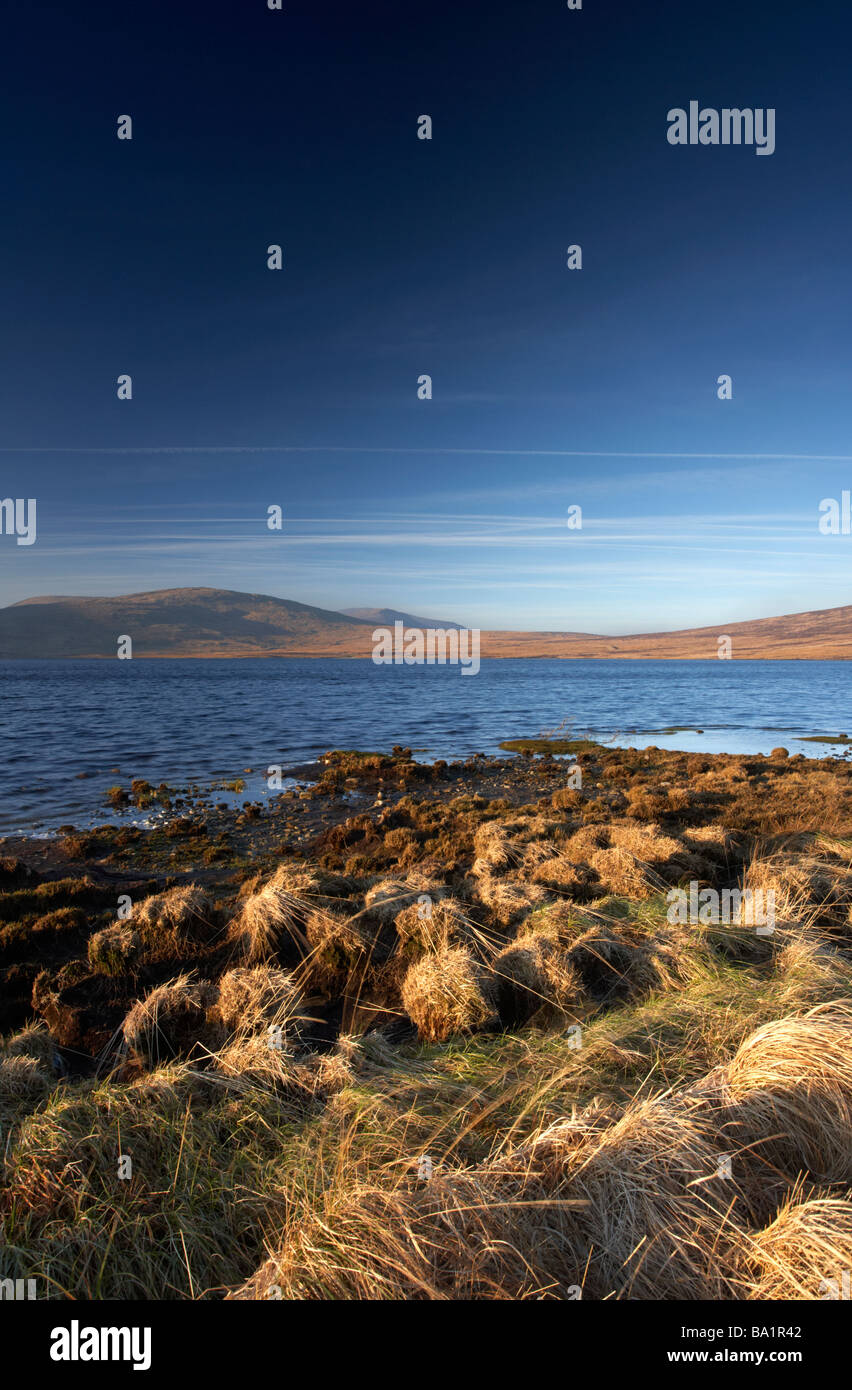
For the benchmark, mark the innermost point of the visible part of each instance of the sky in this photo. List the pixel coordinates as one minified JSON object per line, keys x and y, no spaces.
{"x":552,"y":388}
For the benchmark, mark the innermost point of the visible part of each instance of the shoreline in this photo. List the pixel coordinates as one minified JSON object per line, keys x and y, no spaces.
{"x":332,"y":655}
{"x":155,"y":805}
{"x":210,"y":843}
{"x":195,"y":795}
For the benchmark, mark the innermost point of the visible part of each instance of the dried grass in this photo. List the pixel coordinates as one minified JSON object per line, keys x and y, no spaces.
{"x":447,"y":994}
{"x":175,"y":923}
{"x":536,"y":980}
{"x":507,"y":901}
{"x":385,"y":899}
{"x":271,"y":923}
{"x":169,"y":1021}
{"x":805,"y":1253}
{"x":789,"y":1096}
{"x":115,"y":950}
{"x":253,"y":999}
{"x":659,"y":1221}
{"x":22,"y":1076}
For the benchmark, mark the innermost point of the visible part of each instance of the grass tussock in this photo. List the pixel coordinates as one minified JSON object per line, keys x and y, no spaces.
{"x":805,"y":1253}
{"x":174,"y":924}
{"x":271,"y":922}
{"x":21,"y":1075}
{"x":385,"y":899}
{"x":250,"y":1000}
{"x":637,"y":1204}
{"x":447,"y":993}
{"x":534,"y":979}
{"x":169,"y":1021}
{"x":115,"y":950}
{"x":789,"y":1095}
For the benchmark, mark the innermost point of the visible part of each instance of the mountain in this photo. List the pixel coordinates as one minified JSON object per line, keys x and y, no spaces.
{"x":386,"y":617}
{"x":176,"y":622}
{"x":224,"y":622}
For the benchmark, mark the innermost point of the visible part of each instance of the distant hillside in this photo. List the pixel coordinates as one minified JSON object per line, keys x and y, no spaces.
{"x":176,"y":622}
{"x":223,"y":622}
{"x":386,"y":617}
{"x":825,"y":634}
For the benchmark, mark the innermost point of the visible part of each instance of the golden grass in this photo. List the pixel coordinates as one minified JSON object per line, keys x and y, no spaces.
{"x":805,"y":1253}
{"x":658,"y":1224}
{"x":187,"y":1219}
{"x":447,"y":993}
{"x":249,"y":1000}
{"x":271,"y":922}
{"x":807,"y":888}
{"x":508,"y":901}
{"x":535,"y":979}
{"x":789,"y":1095}
{"x":334,"y":1205}
{"x":169,"y":1020}
{"x":385,"y":899}
{"x":423,"y":927}
{"x":114,"y":950}
{"x":629,"y":1205}
{"x":174,"y":923}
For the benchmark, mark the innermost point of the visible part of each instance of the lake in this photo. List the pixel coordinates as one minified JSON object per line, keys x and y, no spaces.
{"x":200,"y":721}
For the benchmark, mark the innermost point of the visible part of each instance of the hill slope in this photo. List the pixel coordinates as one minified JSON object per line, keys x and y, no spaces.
{"x":175,"y":622}
{"x":824,"y":634}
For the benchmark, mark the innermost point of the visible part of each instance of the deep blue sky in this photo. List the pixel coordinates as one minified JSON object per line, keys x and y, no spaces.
{"x":446,"y":257}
